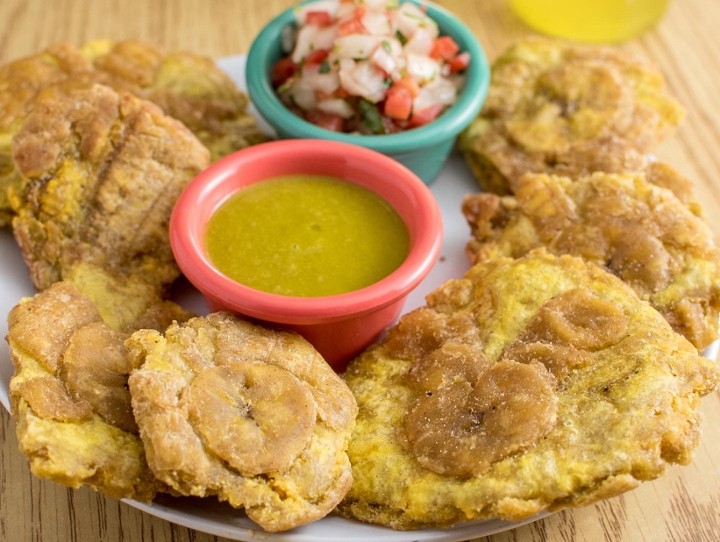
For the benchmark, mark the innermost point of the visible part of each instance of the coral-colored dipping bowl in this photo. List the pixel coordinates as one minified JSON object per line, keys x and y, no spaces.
{"x":339,"y":326}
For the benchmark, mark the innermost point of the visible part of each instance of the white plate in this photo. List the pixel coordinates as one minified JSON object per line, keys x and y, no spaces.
{"x":209,"y":516}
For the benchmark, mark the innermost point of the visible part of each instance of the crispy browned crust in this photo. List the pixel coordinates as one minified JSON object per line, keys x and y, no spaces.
{"x":101,"y":172}
{"x":187,"y":86}
{"x":624,"y":398}
{"x":568,"y":109}
{"x":627,"y":223}
{"x":69,"y":392}
{"x":252,"y":416}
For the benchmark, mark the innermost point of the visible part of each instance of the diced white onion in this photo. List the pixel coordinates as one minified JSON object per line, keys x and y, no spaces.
{"x":304,"y":43}
{"x":326,"y":83}
{"x":356,"y":46}
{"x":388,"y":56}
{"x":362,"y":79}
{"x":303,"y":95}
{"x":376,"y":23}
{"x":336,"y":106}
{"x":422,"y":68}
{"x":440,"y":91}
{"x":325,"y":38}
{"x":287,"y":39}
{"x":420,"y":43}
{"x":409,"y":17}
{"x":376,"y":5}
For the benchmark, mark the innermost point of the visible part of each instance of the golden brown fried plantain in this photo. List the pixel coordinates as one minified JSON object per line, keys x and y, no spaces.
{"x":69,"y":391}
{"x":101,"y":172}
{"x":253,"y":416}
{"x":568,"y":109}
{"x":20,"y":82}
{"x":636,"y":229}
{"x":527,"y":385}
{"x":188,"y":87}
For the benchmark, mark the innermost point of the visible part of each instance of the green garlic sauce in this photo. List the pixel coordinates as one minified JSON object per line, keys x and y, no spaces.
{"x":306,"y":236}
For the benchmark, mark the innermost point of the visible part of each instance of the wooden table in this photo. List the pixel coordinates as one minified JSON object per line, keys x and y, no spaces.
{"x":684,"y":505}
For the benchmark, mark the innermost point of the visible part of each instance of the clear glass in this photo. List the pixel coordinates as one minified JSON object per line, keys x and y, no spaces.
{"x":591,"y":20}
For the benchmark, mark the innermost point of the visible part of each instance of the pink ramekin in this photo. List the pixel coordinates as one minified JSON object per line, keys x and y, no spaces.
{"x":339,"y":326}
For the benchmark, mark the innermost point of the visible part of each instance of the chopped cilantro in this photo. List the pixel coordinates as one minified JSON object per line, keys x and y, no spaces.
{"x":371,"y":116}
{"x":282,"y":89}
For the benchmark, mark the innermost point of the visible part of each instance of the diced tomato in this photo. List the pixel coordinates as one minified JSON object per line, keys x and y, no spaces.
{"x":320,"y":95}
{"x":460,"y":62}
{"x":341,"y":92}
{"x":353,"y":26}
{"x":410,"y":84}
{"x":444,"y":47}
{"x":424,"y":116}
{"x":325,"y":120}
{"x":316,"y":57}
{"x":318,"y":18}
{"x":398,"y":104}
{"x":283,"y":70}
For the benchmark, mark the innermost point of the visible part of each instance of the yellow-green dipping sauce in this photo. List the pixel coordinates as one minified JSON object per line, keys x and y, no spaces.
{"x":307,"y":236}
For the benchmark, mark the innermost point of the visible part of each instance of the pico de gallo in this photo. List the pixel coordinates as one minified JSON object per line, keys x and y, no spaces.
{"x":367,"y":66}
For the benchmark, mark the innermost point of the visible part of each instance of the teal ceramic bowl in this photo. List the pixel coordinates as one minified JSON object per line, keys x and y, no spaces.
{"x":424,"y":150}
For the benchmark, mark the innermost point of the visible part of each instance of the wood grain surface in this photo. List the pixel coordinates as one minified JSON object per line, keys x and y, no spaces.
{"x":684,"y":505}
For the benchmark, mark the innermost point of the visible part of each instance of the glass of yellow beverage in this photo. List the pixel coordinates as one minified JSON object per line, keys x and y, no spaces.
{"x":591,"y":20}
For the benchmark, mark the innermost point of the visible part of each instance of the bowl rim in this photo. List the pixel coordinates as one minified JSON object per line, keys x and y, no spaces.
{"x":220,"y":180}
{"x":449,"y":124}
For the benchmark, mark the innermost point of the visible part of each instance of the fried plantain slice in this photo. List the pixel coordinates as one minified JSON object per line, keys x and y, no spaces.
{"x":627,"y":223}
{"x":101,"y":172}
{"x":253,"y":416}
{"x":69,"y":392}
{"x":567,"y":109}
{"x":100,"y":178}
{"x":527,"y":385}
{"x":187,"y":86}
